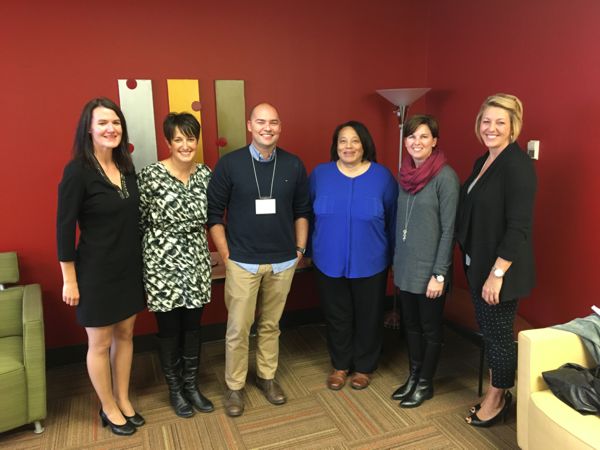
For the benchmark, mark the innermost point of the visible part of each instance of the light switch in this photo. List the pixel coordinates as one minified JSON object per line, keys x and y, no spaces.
{"x":533,"y":149}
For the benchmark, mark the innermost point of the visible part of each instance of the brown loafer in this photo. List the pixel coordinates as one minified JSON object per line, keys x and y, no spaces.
{"x":233,"y":403}
{"x":273,"y":392}
{"x":337,"y":379}
{"x":360,"y":380}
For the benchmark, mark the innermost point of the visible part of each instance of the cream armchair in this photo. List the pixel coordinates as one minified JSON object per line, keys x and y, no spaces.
{"x":22,"y":350}
{"x":544,"y":421}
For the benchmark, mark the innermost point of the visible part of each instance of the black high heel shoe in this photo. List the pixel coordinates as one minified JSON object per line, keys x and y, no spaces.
{"x":473,"y":409}
{"x":477,"y":422}
{"x":127,"y":429}
{"x":136,"y":420}
{"x":477,"y":407}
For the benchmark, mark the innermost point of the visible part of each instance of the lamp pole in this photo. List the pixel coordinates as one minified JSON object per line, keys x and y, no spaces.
{"x":401,"y":115}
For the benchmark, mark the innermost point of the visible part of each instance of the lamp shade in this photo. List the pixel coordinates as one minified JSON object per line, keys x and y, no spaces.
{"x":402,"y":97}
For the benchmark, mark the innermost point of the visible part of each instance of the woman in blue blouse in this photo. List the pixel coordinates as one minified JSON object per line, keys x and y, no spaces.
{"x":354,"y":202}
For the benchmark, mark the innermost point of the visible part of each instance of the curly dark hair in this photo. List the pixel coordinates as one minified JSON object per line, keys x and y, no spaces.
{"x":369,"y":152}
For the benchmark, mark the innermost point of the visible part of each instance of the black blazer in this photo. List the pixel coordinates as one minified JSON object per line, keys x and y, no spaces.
{"x":495,"y":219}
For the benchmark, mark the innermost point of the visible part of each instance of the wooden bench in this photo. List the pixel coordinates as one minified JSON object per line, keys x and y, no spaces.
{"x":459,"y":314}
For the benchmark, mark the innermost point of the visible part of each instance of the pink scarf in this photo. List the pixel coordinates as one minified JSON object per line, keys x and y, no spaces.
{"x":413,"y":179}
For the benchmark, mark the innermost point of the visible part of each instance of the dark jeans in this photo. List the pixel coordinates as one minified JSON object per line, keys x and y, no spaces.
{"x":422,"y":315}
{"x":177,"y":321}
{"x":353,"y":310}
{"x":496,"y":324}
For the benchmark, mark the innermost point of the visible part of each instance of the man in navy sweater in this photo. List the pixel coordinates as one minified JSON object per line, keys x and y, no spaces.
{"x":263,"y":192}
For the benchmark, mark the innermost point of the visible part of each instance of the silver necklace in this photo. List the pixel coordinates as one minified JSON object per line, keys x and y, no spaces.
{"x":122,"y":191}
{"x":407,"y":215}
{"x":272,"y":177}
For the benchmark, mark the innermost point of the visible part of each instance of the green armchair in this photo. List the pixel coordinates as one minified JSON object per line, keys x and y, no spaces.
{"x":22,"y":350}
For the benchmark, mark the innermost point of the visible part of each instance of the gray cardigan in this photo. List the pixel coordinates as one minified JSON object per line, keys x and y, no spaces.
{"x":427,"y":249}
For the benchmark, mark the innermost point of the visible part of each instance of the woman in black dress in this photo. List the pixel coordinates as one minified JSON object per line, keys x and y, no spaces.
{"x":493,"y":228}
{"x":102,"y":274}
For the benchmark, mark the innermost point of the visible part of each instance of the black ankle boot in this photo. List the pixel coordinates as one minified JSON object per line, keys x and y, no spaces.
{"x":191,"y":365}
{"x":171,"y":366}
{"x":407,"y":388}
{"x":423,"y":391}
{"x":424,"y":388}
{"x":414,"y":344}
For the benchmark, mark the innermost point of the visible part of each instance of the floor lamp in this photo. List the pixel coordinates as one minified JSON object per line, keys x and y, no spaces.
{"x":402,"y":99}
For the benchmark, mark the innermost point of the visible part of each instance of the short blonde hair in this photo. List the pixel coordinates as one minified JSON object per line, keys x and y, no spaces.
{"x":512,"y":105}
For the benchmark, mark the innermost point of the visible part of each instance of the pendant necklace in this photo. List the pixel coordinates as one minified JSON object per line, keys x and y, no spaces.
{"x":407,"y":215}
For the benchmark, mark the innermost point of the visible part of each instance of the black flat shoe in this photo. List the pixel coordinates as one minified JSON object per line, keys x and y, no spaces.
{"x":477,"y":422}
{"x":127,"y":429}
{"x":136,"y":420}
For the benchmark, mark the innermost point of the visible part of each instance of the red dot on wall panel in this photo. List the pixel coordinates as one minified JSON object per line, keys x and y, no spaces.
{"x":131,"y":84}
{"x":197,"y":106}
{"x":131,"y":148}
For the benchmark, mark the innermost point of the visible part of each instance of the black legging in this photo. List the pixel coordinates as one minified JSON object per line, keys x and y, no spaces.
{"x":177,"y":321}
{"x":496,"y":325}
{"x":422,"y":315}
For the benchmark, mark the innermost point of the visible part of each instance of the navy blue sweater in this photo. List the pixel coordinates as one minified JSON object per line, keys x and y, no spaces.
{"x":263,"y":238}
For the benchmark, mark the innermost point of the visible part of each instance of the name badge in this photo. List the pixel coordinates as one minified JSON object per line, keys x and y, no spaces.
{"x":265,"y":206}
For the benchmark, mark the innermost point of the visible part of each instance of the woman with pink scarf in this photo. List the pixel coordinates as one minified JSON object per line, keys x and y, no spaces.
{"x":427,"y":204}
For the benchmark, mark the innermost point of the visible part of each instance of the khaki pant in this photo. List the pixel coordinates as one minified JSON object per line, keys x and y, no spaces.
{"x":247,"y":294}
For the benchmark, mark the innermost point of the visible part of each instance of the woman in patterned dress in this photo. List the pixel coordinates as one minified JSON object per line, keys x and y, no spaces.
{"x":177,"y":269}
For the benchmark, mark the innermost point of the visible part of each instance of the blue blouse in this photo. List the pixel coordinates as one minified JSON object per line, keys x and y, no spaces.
{"x":354,"y":220}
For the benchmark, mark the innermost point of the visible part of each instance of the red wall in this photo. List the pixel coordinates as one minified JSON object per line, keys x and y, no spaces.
{"x":545,"y":52}
{"x":320,"y":64}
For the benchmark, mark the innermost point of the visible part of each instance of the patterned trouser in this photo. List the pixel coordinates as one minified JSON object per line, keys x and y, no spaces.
{"x":496,"y":324}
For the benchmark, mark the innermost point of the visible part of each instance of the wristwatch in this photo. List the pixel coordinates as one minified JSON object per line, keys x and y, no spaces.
{"x":498,"y":273}
{"x":439,"y":278}
{"x":301,"y":250}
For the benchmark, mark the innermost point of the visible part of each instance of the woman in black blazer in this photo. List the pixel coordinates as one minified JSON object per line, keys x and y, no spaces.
{"x":493,"y":229}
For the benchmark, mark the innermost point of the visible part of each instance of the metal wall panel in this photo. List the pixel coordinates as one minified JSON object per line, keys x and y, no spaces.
{"x":137,"y":104}
{"x":231,"y":113}
{"x":184,"y":96}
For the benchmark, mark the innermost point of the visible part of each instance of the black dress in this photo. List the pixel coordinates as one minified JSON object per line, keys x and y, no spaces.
{"x":108,"y":258}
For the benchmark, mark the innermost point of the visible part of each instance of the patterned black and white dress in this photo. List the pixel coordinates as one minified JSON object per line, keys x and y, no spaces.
{"x":177,"y":269}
